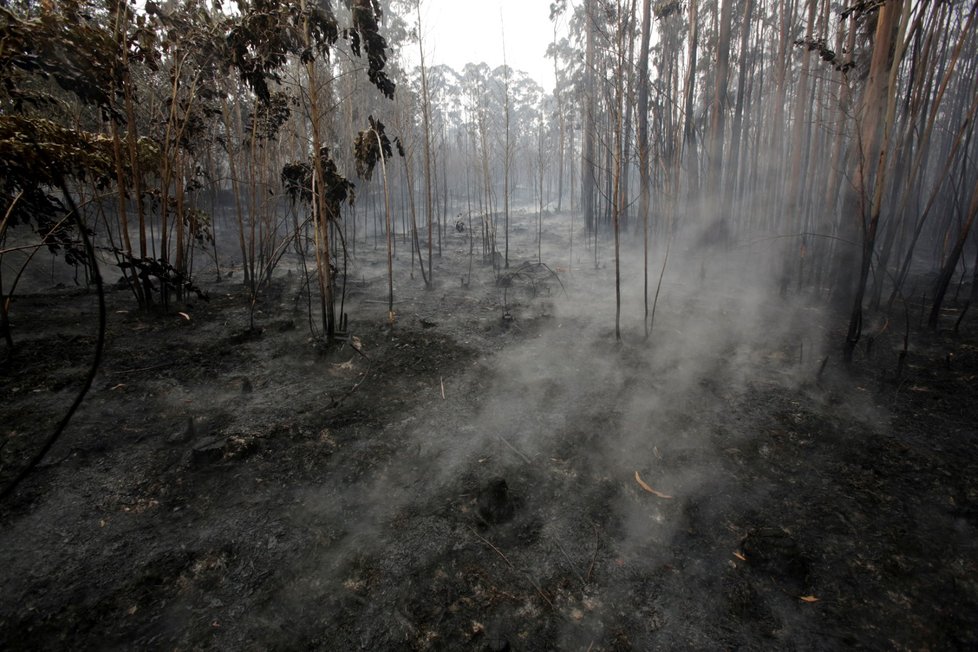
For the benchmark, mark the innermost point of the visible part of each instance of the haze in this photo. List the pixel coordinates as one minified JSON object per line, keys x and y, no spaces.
{"x":457,"y":33}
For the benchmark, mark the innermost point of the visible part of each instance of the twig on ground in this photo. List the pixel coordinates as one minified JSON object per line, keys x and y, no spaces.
{"x":658,"y":287}
{"x":594,"y":557}
{"x":515,"y":450}
{"x":495,"y":549}
{"x":510,"y":564}
{"x":348,"y":393}
{"x":133,"y":371}
{"x":570,"y":562}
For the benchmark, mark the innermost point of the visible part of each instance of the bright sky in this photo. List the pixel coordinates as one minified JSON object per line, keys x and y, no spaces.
{"x":457,"y":32}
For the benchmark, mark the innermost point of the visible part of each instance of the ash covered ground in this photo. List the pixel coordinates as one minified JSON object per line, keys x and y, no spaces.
{"x":496,"y":472}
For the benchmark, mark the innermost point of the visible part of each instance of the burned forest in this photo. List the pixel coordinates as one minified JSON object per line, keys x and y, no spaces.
{"x":655,"y":332}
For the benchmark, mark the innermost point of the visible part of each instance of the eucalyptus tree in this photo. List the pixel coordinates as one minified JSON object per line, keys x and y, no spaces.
{"x":269,"y":33}
{"x":426,"y":125}
{"x":587,"y":93}
{"x":567,"y":72}
{"x":541,"y":166}
{"x":507,"y":150}
{"x":444,"y":90}
{"x":968,"y":174}
{"x":688,"y":155}
{"x":373,"y":145}
{"x":62,"y":84}
{"x":815,"y":132}
{"x":718,"y":108}
{"x":624,"y":18}
{"x":451,"y":128}
{"x":554,"y":52}
{"x":476,"y":80}
{"x":526,"y":98}
{"x":406,"y":104}
{"x":258,"y":138}
{"x":733,"y":170}
{"x":670,"y":124}
{"x":644,"y":164}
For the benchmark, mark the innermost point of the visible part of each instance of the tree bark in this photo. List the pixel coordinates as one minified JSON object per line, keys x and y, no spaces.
{"x":870,"y":156}
{"x":644,"y":165}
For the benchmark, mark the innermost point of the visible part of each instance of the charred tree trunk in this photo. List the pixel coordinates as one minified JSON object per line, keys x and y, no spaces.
{"x":871,"y":155}
{"x":644,"y":164}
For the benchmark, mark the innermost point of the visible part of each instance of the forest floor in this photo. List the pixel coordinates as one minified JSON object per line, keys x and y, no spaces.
{"x":493,"y":473}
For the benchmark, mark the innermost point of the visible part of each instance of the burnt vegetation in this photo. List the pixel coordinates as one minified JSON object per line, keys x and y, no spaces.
{"x":313,"y":340}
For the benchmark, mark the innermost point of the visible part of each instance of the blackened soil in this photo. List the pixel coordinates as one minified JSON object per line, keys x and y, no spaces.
{"x":247,"y":489}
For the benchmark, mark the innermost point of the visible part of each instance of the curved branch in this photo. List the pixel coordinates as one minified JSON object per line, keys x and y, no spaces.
{"x":96,"y":361}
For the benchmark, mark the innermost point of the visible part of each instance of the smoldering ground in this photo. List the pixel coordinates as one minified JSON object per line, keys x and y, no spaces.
{"x":352,"y":501}
{"x":614,"y":455}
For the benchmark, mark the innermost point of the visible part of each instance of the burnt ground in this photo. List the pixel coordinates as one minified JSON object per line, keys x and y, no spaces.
{"x":472,"y":481}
